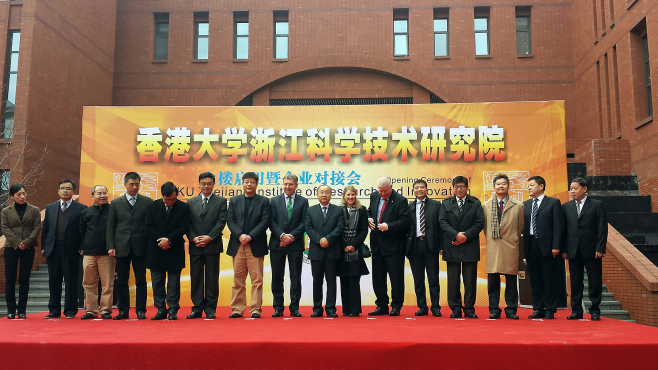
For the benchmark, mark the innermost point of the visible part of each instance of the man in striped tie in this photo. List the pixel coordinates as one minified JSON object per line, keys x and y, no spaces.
{"x":543,"y":236}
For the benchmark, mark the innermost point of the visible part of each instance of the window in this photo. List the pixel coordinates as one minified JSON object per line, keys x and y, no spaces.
{"x":281,"y":31}
{"x":481,"y":24}
{"x":441,"y":46}
{"x":241,"y":35}
{"x":10,"y":85}
{"x":647,"y":75}
{"x":4,"y":181}
{"x":641,"y":73}
{"x":201,"y":33}
{"x":523,"y":30}
{"x":400,"y":32}
{"x":161,"y":36}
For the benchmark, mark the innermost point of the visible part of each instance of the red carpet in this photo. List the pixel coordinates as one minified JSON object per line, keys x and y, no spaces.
{"x":316,"y":343}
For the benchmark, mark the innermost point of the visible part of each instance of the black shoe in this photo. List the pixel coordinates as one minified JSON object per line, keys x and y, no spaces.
{"x":538,"y":314}
{"x":277,"y":313}
{"x":11,"y":316}
{"x":194,"y":315}
{"x":332,"y":314}
{"x":455,"y":314}
{"x":549,"y":315}
{"x":512,"y":316}
{"x":161,"y":315}
{"x":211,"y":315}
{"x":234,"y":315}
{"x":87,"y":316}
{"x":470,"y":316}
{"x":379,"y":311}
{"x":121,"y":316}
{"x":141,"y":315}
{"x":575,"y":316}
{"x":22,"y":316}
{"x":295,"y":313}
{"x":354,"y":315}
{"x":395,"y":312}
{"x":436,"y":312}
{"x":494,"y":316}
{"x":52,"y":316}
{"x":421,"y":312}
{"x":173,"y":316}
{"x":106,"y":316}
{"x":255,"y":315}
{"x":596,"y":317}
{"x":70,"y":316}
{"x":316,"y":314}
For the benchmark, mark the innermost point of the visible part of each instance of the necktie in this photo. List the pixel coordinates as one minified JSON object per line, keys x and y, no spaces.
{"x":204,"y":204}
{"x":324,"y":211}
{"x":289,"y":207}
{"x":168,"y":208}
{"x":382,"y":212}
{"x":533,"y":221}
{"x":65,"y":206}
{"x":132,"y":202}
{"x":461,"y":205}
{"x":422,"y":218}
{"x":501,"y":208}
{"x":578,"y":208}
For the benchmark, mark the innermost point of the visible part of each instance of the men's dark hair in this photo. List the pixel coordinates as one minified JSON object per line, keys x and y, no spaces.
{"x":65,"y":181}
{"x":207,"y":175}
{"x":250,"y":175}
{"x":131,"y":176}
{"x":539,"y":180}
{"x":168,"y":188}
{"x":459,"y":179}
{"x":15,"y":189}
{"x":420,"y":181}
{"x":500,"y":176}
{"x":581,"y":181}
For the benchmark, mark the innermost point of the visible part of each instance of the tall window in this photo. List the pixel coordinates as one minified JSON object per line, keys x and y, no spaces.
{"x":647,"y":75}
{"x":281,"y":31}
{"x":523,"y":30}
{"x":481,"y":23}
{"x":10,"y":85}
{"x":201,"y":33}
{"x":401,"y":32}
{"x":441,"y":32}
{"x":241,"y":35}
{"x":4,"y":181}
{"x":161,"y":36}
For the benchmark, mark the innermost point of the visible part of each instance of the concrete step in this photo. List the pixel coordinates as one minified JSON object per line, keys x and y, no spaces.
{"x":604,"y":289}
{"x":625,"y":203}
{"x":633,"y":222}
{"x":43,"y":266}
{"x":650,"y":251}
{"x":615,"y":314}
{"x":38,"y":274}
{"x":3,"y":311}
{"x":605,"y":305}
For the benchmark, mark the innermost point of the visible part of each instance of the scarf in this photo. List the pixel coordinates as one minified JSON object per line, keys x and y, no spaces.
{"x":351,"y":220}
{"x":495,"y":222}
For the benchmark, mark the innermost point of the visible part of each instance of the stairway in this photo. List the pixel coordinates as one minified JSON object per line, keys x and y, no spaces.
{"x":38,"y":295}
{"x":609,"y":307}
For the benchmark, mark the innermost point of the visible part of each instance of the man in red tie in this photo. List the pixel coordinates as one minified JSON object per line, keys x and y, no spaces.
{"x":389,"y":219}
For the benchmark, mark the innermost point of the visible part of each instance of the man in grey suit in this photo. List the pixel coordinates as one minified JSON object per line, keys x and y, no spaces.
{"x":287,"y":240}
{"x":126,"y":236}
{"x":324,"y":227}
{"x":205,"y":244}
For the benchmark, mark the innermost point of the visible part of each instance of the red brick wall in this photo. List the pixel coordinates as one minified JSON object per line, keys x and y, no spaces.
{"x":650,"y":187}
{"x":606,"y":157}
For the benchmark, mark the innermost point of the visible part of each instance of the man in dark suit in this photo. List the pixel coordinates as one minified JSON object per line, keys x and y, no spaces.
{"x":126,"y":237}
{"x":205,"y":243}
{"x":287,"y":240}
{"x":167,"y":220}
{"x":587,"y":236}
{"x":60,"y":240}
{"x":461,"y":219}
{"x":324,"y":227}
{"x":543,"y":235}
{"x":389,"y":219}
{"x":249,"y":216}
{"x":423,"y":247}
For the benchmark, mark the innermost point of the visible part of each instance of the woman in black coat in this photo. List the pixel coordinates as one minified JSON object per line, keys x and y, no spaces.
{"x":352,"y":266}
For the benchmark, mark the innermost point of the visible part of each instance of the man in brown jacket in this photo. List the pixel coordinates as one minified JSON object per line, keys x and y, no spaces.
{"x":503,"y":225}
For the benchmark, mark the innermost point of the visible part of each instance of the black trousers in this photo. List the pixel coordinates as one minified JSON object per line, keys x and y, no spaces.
{"x":350,"y":294}
{"x":204,"y":282}
{"x":425,"y":261}
{"x":324,"y":269}
{"x":61,"y":266}
{"x":171,"y":295}
{"x":394,"y":267}
{"x":544,"y":278}
{"x":511,"y":293}
{"x":123,"y":276}
{"x":595,"y":283}
{"x":469,"y":272}
{"x":13,"y":259}
{"x":278,"y":262}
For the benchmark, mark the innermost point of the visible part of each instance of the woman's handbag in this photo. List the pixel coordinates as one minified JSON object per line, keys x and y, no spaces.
{"x":365,"y":251}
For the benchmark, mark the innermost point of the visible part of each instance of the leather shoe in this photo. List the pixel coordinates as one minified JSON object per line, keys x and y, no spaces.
{"x":194,"y":315}
{"x":106,"y":316}
{"x":379,"y":311}
{"x":295,"y":313}
{"x":436,"y":312}
{"x":255,"y":315}
{"x":512,"y":316}
{"x":421,"y":312}
{"x":277,"y":313}
{"x":395,"y":312}
{"x":88,"y":316}
{"x":494,"y":316}
{"x":161,"y":315}
{"x":72,"y":316}
{"x":455,"y":314}
{"x":211,"y":315}
{"x":173,"y":316}
{"x":11,"y":316}
{"x":22,"y":316}
{"x":354,"y":315}
{"x":575,"y":316}
{"x":549,"y":315}
{"x":234,"y":315}
{"x":121,"y":316}
{"x":538,"y":314}
{"x":596,"y":316}
{"x":470,"y":316}
{"x":332,"y":314}
{"x":141,"y":316}
{"x":316,"y":314}
{"x":52,"y":316}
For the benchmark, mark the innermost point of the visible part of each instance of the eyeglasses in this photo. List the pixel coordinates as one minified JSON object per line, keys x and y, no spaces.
{"x":67,"y":189}
{"x":460,"y":187}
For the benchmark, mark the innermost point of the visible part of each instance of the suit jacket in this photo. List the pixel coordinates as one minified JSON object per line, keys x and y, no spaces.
{"x":432,"y":228}
{"x":260,"y":218}
{"x":17,"y":231}
{"x":126,"y":228}
{"x":330,"y":227}
{"x":281,"y":225}
{"x":172,"y":225}
{"x":550,"y":225}
{"x":503,"y":253}
{"x":72,"y":233}
{"x":470,"y":221}
{"x":397,"y":217}
{"x":210,"y":222}
{"x":588,"y":233}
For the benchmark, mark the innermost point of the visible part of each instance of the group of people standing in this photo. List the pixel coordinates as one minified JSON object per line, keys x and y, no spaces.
{"x":136,"y":231}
